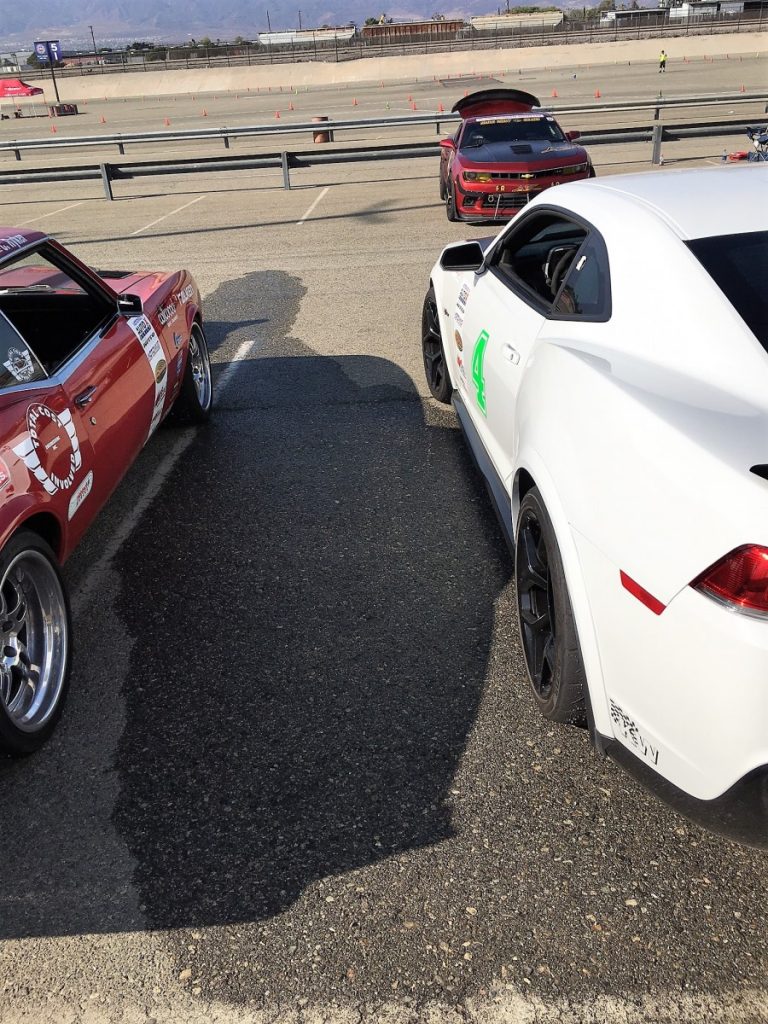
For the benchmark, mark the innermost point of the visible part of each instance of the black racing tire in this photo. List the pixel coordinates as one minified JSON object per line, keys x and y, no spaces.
{"x":547,"y":627}
{"x":195,"y":399}
{"x":35,"y":630}
{"x":435,"y":367}
{"x":442,"y":188}
{"x":450,"y":205}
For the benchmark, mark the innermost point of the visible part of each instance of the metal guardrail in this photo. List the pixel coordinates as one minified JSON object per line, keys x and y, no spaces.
{"x":285,"y":160}
{"x":122,"y":139}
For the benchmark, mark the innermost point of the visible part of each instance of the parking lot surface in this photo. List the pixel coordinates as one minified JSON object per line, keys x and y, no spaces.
{"x":299,"y":777}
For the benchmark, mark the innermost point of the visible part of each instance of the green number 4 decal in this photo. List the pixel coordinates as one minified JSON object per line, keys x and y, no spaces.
{"x":478,"y":379}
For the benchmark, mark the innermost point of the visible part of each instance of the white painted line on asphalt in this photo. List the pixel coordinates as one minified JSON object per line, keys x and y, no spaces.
{"x":85,"y":593}
{"x":312,"y":206}
{"x":166,"y":215}
{"x":53,"y":213}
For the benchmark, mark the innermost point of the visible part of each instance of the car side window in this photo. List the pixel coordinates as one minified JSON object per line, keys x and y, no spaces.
{"x":18,"y":363}
{"x":583,"y":289}
{"x":53,"y":311}
{"x":534,"y":256}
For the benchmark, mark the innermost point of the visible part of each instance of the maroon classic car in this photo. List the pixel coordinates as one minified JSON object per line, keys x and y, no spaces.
{"x":90,"y":363}
{"x":505,"y":151}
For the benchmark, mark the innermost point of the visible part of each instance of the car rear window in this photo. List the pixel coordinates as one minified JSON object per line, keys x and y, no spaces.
{"x":738,"y":264}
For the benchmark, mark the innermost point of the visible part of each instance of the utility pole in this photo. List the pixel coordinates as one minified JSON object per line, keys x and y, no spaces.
{"x":299,"y":21}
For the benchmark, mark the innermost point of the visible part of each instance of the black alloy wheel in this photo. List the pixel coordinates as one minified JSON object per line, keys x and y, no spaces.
{"x":438,"y":378}
{"x":547,"y":627}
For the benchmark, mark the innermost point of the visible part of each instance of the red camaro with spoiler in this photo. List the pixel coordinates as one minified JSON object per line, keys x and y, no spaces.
{"x":90,"y":363}
{"x":505,"y":151}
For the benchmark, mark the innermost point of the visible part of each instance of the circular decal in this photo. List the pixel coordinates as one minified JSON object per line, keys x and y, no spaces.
{"x":160,"y":369}
{"x":458,"y":340}
{"x":52,"y":451}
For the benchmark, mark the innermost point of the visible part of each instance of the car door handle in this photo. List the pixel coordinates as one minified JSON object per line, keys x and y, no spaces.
{"x":511,"y":354}
{"x":85,"y":397}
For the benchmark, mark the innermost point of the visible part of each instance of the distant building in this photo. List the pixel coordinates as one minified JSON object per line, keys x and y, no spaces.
{"x":307,"y":37}
{"x":412,"y":31}
{"x":9,"y":64}
{"x":512,"y":22}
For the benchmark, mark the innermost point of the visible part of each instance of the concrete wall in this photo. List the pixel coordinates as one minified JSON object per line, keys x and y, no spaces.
{"x":400,"y":69}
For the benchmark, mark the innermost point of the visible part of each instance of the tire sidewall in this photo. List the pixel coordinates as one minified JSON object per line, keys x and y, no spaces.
{"x":566,"y":699}
{"x":14,"y":741}
{"x":188,"y":407}
{"x":444,"y":394}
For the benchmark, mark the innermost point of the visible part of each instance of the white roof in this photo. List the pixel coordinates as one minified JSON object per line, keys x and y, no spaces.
{"x":695,"y":203}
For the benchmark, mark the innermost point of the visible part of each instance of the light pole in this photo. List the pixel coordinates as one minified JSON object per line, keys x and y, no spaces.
{"x":93,"y":40}
{"x":299,"y":21}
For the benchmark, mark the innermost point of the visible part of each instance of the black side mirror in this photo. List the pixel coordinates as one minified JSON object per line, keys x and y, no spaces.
{"x":130,"y":305}
{"x":464,"y":256}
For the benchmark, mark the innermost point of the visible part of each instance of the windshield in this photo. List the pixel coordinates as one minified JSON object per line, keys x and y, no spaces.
{"x":509,"y":129}
{"x":739,"y":266}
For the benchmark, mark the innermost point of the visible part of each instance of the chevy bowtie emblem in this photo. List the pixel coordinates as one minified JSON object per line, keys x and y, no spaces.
{"x":526,"y":175}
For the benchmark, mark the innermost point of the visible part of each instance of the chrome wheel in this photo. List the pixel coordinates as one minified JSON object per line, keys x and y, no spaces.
{"x":200,"y":367}
{"x":34,"y":635}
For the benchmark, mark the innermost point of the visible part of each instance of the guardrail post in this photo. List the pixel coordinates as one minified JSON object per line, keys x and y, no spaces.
{"x":226,"y":142}
{"x":106,"y":180}
{"x":656,"y":112}
{"x":285,"y":162}
{"x":658,"y":131}
{"x":17,"y":153}
{"x":121,"y":148}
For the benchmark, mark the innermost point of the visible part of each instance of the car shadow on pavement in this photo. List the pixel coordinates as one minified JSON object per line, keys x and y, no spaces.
{"x":313,"y":661}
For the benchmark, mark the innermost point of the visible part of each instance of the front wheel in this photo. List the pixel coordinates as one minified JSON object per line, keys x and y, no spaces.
{"x":35,"y":643}
{"x":438,"y":379}
{"x":450,"y":204}
{"x":547,"y":628}
{"x":196,"y":396}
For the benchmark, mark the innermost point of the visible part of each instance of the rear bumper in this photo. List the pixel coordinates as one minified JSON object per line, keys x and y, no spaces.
{"x":740,"y":813}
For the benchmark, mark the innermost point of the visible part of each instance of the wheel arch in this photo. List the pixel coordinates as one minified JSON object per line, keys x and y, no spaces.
{"x":531,"y":472}
{"x":46,"y":526}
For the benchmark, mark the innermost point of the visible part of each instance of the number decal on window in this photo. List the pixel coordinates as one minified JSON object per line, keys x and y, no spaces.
{"x":478,"y":378}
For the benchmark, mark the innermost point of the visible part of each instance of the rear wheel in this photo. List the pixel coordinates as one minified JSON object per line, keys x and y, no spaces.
{"x":196,"y":396}
{"x":35,"y":643}
{"x":547,"y":627}
{"x":438,"y":379}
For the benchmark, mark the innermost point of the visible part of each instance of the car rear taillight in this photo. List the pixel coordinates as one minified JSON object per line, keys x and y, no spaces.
{"x":739,"y":580}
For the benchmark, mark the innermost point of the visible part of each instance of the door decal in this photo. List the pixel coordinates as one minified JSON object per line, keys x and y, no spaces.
{"x":478,"y":377}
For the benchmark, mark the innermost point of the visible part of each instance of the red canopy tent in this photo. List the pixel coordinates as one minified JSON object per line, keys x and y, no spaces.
{"x":13,"y":90}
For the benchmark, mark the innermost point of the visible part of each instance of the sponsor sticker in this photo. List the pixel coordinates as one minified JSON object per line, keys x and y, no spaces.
{"x":80,"y":494}
{"x":153,"y":350}
{"x":462,"y":372}
{"x":459,"y":320}
{"x":463,"y":298}
{"x":628,"y":731}
{"x":5,"y":475}
{"x":167,"y":314}
{"x":185,"y":294}
{"x":19,"y":364}
{"x":12,"y":243}
{"x":177,"y":339}
{"x":51,"y":450}
{"x":459,"y":341}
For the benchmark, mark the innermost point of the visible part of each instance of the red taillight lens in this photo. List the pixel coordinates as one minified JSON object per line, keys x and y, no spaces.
{"x":740,"y":579}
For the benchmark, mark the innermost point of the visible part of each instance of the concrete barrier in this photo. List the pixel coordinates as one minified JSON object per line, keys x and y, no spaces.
{"x":415,"y":67}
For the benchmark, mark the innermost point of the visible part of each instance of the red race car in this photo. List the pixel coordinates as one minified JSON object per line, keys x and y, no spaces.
{"x":505,"y":151}
{"x":90,"y":363}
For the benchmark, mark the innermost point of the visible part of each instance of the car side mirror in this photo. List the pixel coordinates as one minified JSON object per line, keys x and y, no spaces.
{"x":447,"y":144}
{"x":464,"y":256}
{"x":130,"y":305}
{"x":572,"y":136}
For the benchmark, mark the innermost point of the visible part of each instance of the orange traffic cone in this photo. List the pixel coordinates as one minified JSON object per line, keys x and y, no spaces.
{"x":554,"y":94}
{"x":53,"y":128}
{"x":742,"y":89}
{"x":277,"y":115}
{"x":354,"y":102}
{"x":290,"y":105}
{"x":167,"y":123}
{"x":597,"y":94}
{"x":204,"y":113}
{"x":102,"y":120}
{"x":440,"y":108}
{"x":413,"y":106}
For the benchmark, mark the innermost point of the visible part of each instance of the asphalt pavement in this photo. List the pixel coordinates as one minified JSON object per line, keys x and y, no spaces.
{"x":300,"y":777}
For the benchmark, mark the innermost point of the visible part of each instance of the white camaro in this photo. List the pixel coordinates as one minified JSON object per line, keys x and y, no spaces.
{"x":607,"y":356}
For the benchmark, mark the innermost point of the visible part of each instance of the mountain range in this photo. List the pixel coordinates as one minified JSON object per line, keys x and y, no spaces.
{"x":114,"y":21}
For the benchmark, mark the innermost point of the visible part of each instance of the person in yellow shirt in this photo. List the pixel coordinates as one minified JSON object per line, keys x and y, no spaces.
{"x":662,"y":62}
